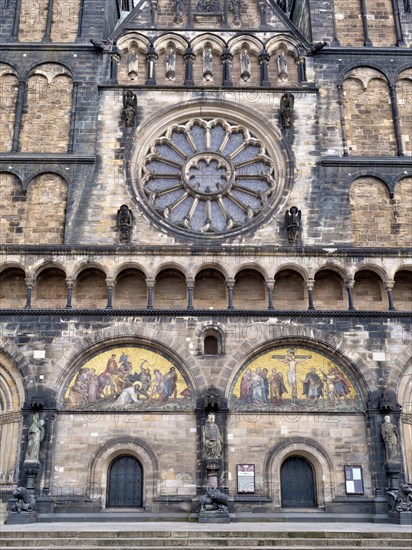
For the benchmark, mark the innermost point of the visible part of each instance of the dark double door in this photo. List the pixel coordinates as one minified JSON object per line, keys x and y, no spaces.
{"x":297,"y":482}
{"x":125,"y":483}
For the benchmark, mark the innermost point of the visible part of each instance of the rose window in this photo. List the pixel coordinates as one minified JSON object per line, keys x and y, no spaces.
{"x":208,"y":177}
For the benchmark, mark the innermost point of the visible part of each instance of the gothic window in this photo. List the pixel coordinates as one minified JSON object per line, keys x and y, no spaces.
{"x":208,"y":176}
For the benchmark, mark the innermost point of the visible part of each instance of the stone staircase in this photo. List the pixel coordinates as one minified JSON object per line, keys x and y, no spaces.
{"x":203,"y":539}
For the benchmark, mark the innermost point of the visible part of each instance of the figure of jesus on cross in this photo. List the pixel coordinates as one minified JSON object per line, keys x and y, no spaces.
{"x":291,"y":359}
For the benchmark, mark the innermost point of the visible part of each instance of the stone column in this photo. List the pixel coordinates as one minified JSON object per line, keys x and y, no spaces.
{"x":301,"y":63}
{"x":367,"y":41}
{"x":398,"y":25}
{"x":396,"y":121}
{"x":389,"y":287}
{"x":110,"y":286}
{"x":227,"y":59}
{"x":16,"y":21}
{"x":80,"y":23}
{"x":310,"y":283}
{"x":47,"y":30}
{"x":151,"y":58}
{"x":70,"y":285}
{"x":263,"y":59}
{"x":150,"y":286}
{"x":270,"y":283}
{"x":73,"y":116}
{"x":349,"y":287}
{"x":30,"y":285}
{"x":230,"y":284}
{"x":342,"y":120}
{"x":21,"y":98}
{"x":190,"y":286}
{"x":189,"y":58}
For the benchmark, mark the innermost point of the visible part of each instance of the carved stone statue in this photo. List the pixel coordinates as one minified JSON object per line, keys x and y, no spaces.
{"x":171,"y":64}
{"x":213,"y":500}
{"x":35,"y":437}
{"x":293,"y":217}
{"x":25,"y":500}
{"x":282,"y":4}
{"x":129,"y":107}
{"x":390,"y":437}
{"x":124,"y":223}
{"x":179,"y":11}
{"x":212,"y":446}
{"x":133,"y":64}
{"x":208,"y":64}
{"x":244,"y":65}
{"x":287,"y":102}
{"x":236,"y":5}
{"x":282,"y":66}
{"x":401,"y":500}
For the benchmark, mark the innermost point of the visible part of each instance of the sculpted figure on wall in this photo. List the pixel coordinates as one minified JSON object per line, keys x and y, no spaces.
{"x":212,"y":446}
{"x":179,"y":11}
{"x":171,"y":64}
{"x":287,"y":102}
{"x":236,"y":5}
{"x":390,"y":437}
{"x":35,"y":437}
{"x":208,"y":64}
{"x":245,"y":65}
{"x":293,"y":218}
{"x":124,"y":223}
{"x":133,"y":64}
{"x":129,"y":107}
{"x":282,"y":66}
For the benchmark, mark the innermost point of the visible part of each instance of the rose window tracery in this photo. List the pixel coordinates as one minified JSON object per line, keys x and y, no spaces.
{"x":208,"y":176}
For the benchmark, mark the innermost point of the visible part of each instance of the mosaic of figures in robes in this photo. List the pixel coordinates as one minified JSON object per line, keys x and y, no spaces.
{"x":295,"y":378}
{"x":129,"y":378}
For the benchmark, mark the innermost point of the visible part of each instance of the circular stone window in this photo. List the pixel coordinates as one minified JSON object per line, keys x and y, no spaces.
{"x":208,"y":177}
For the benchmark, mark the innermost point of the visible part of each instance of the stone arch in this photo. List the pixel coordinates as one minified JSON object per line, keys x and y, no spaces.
{"x":50,"y":290}
{"x":13,"y":207}
{"x":46,"y":117}
{"x":13,"y":290}
{"x":218,"y":343}
{"x":90,"y":288}
{"x":99,"y":465}
{"x":329,"y":290}
{"x":371,"y":212}
{"x":210,"y":290}
{"x":249,"y":291}
{"x":130,"y":290}
{"x":402,"y":290}
{"x":9,"y":83}
{"x":368,"y":291}
{"x":289,"y":291}
{"x":132,"y":67}
{"x":46,"y":210}
{"x":12,"y":398}
{"x":402,"y":227}
{"x":253,"y":46}
{"x":199,"y":45}
{"x":289,"y":49}
{"x":163,"y":45}
{"x":403,"y":95}
{"x":368,"y":113}
{"x":310,"y":449}
{"x":404,"y":398}
{"x":170,"y":290}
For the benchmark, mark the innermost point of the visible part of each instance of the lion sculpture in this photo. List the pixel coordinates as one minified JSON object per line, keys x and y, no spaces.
{"x":213,"y":500}
{"x":25,"y":500}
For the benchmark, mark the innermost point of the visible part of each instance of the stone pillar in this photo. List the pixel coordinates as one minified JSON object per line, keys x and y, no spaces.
{"x":396,"y":121}
{"x":367,"y":41}
{"x":110,"y":286}
{"x":230,"y":284}
{"x":47,"y":30}
{"x":310,"y":283}
{"x":189,"y":58}
{"x":21,"y":98}
{"x":151,"y":58}
{"x":73,"y":117}
{"x":70,"y":285}
{"x":190,"y":286}
{"x":342,"y":120}
{"x":263,"y":59}
{"x":227,"y":59}
{"x":80,"y":23}
{"x":349,"y":287}
{"x":30,"y":285}
{"x":150,"y":286}
{"x":389,"y":287}
{"x":16,"y":20}
{"x":270,"y":285}
{"x":398,"y":25}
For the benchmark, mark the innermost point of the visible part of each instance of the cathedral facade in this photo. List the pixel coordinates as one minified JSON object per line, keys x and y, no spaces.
{"x":206,"y":211}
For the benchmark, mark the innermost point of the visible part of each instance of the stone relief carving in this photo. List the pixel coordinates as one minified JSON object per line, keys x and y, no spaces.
{"x":209,"y":6}
{"x":236,"y":7}
{"x":179,"y":11}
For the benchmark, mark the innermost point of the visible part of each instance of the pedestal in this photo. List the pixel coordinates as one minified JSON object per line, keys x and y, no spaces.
{"x":214,"y":516}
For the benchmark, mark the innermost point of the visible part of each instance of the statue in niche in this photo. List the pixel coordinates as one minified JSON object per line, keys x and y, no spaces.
{"x":178,"y":12}
{"x":124,"y":223}
{"x":245,"y":65}
{"x":208,"y":64}
{"x":212,"y":446}
{"x":133,"y":64}
{"x":293,"y":219}
{"x":35,"y":437}
{"x":129,"y":107}
{"x":171,"y":64}
{"x":390,"y":437}
{"x":287,"y":102}
{"x":236,"y":5}
{"x":282,"y":66}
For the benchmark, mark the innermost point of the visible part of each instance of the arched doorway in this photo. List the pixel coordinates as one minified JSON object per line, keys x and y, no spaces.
{"x":125,"y":483}
{"x":297,"y":483}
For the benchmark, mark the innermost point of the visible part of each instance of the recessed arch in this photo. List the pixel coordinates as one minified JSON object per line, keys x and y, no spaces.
{"x":210,"y":290}
{"x":13,"y":289}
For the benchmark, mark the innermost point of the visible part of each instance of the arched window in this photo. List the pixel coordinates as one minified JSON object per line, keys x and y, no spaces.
{"x":125,"y":483}
{"x":211,"y":342}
